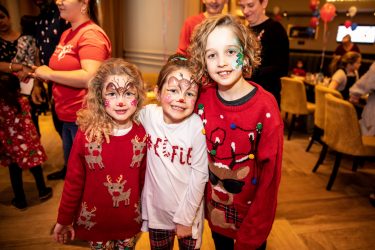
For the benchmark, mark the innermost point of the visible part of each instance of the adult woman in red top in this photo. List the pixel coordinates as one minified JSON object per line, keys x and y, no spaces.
{"x":80,"y":52}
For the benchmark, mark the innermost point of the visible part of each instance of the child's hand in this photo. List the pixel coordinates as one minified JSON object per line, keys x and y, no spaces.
{"x":61,"y":233}
{"x":183,"y":231}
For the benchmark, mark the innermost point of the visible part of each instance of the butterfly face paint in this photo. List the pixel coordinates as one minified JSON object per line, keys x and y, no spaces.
{"x":120,"y":98}
{"x":178,"y":96}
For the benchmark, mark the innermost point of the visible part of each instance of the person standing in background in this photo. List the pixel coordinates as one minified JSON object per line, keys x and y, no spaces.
{"x":8,"y":47}
{"x":346,"y":46}
{"x":366,"y":85}
{"x":213,"y":7}
{"x":80,"y":52}
{"x":275,"y":46}
{"x":49,"y":27}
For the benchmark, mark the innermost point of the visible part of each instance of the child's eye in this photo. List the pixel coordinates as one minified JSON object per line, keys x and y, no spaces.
{"x":232,"y":52}
{"x":210,"y":56}
{"x":172,"y":90}
{"x":129,"y":93}
{"x":190,"y":94}
{"x":110,"y":94}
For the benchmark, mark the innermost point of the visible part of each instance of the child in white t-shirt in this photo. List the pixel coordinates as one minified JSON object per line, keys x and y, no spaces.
{"x":177,"y":166}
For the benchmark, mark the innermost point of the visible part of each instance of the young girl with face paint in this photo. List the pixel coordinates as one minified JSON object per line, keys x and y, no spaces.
{"x":101,"y":197}
{"x":244,"y":134}
{"x":176,"y":175}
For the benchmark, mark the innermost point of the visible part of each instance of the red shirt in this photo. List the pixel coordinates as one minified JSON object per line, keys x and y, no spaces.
{"x":88,"y":41}
{"x":245,"y":145}
{"x":103,"y":186}
{"x":186,"y":32}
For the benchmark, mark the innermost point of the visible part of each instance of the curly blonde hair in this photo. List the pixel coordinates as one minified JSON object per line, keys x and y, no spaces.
{"x":93,"y":119}
{"x":197,"y":49}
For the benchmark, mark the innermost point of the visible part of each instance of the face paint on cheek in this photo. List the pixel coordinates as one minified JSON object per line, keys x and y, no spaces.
{"x":134,"y":102}
{"x":167,"y":98}
{"x":238,"y":64}
{"x":106,"y":103}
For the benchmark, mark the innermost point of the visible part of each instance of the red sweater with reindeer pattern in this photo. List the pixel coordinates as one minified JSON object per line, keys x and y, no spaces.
{"x":103,"y":185}
{"x":244,"y":142}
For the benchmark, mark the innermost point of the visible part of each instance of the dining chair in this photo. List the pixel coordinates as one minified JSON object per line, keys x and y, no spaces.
{"x":342,"y":134}
{"x":319,"y":114}
{"x":293,"y":100}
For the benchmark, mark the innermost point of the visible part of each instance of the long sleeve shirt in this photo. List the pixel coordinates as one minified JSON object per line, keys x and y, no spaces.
{"x":103,"y":186}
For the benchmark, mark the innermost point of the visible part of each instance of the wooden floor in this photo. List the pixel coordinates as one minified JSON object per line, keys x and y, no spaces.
{"x":308,"y":216}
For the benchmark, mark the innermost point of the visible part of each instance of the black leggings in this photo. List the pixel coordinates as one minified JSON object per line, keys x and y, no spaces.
{"x":15,"y":173}
{"x":225,"y":243}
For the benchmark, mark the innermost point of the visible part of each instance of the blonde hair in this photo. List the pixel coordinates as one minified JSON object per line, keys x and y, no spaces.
{"x":338,"y":62}
{"x":197,"y":49}
{"x":93,"y":119}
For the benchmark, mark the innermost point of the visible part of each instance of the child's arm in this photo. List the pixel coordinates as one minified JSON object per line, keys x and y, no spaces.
{"x":74,"y":183}
{"x":61,"y":233}
{"x":365,"y":84}
{"x":189,"y":205}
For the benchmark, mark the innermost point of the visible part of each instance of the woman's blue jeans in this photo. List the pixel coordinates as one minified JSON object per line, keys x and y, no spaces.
{"x":69,"y":130}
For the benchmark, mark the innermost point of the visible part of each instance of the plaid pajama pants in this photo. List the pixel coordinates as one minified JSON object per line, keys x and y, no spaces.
{"x":127,"y":244}
{"x":161,"y":239}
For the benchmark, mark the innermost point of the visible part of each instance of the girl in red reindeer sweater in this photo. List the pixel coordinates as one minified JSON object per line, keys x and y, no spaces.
{"x":101,"y":198}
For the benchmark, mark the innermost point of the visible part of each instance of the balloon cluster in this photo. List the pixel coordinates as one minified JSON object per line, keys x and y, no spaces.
{"x":351,"y":13}
{"x":314,"y":21}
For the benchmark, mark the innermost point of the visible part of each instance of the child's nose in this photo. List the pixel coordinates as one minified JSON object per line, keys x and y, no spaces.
{"x":120,"y":104}
{"x":181,"y":100}
{"x":222,"y":61}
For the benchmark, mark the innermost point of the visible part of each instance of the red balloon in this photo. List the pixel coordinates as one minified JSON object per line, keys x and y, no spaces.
{"x":348,"y":23}
{"x":314,"y":4}
{"x":314,"y":21}
{"x":327,"y":12}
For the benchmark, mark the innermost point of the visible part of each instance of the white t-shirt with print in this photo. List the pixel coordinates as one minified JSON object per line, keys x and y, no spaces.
{"x":177,"y":172}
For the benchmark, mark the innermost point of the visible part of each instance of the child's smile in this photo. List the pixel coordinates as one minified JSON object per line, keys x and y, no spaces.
{"x":120,"y":99}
